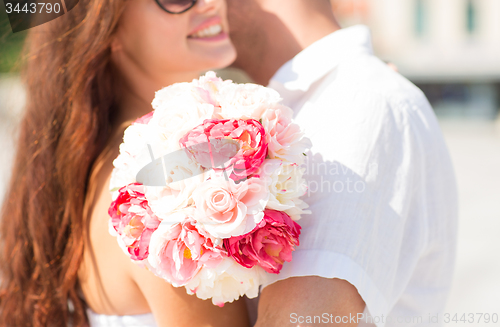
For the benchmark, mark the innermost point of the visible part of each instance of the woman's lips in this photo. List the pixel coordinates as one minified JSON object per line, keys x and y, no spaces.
{"x":209,"y":30}
{"x":218,"y":37}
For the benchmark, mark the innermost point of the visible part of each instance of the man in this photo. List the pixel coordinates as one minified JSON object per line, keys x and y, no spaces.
{"x":380,"y":242}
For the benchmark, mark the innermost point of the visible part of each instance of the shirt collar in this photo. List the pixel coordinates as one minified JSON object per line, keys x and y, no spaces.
{"x":321,"y":57}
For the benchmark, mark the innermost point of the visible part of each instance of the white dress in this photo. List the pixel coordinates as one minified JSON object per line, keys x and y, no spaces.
{"x":141,"y":320}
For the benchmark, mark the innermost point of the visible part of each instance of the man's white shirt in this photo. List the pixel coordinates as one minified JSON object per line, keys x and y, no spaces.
{"x":381,"y":186}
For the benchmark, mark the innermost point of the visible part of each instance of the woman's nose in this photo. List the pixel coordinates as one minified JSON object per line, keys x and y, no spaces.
{"x":204,"y":6}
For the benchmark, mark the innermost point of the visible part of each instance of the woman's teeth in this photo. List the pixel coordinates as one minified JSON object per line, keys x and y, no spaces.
{"x":207,"y":32}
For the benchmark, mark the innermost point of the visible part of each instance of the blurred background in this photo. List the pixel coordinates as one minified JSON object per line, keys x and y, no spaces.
{"x":448,"y":48}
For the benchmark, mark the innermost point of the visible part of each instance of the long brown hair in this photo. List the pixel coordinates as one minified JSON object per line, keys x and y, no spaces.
{"x":68,"y":115}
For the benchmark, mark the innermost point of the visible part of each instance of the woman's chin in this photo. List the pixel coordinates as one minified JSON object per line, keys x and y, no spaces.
{"x":224,"y":63}
{"x":218,"y":58}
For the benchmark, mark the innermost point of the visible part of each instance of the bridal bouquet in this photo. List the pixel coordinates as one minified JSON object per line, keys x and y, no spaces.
{"x":206,"y":188}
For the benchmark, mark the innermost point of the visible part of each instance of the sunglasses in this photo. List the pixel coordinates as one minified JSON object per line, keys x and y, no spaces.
{"x":176,"y":6}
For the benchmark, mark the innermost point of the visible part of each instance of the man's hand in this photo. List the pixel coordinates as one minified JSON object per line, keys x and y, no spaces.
{"x":291,"y":301}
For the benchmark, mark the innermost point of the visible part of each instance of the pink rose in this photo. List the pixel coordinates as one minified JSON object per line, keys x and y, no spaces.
{"x":285,"y":139}
{"x":133,"y":221}
{"x":237,"y":146}
{"x":180,"y":250}
{"x":225,"y":208}
{"x":269,"y":245}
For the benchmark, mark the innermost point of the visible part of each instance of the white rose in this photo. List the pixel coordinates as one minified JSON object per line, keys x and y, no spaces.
{"x":286,"y":186}
{"x":139,"y":142}
{"x":134,"y":154}
{"x":246,"y":101}
{"x":179,"y":111}
{"x":209,"y":85}
{"x":183,"y":175}
{"x":227,"y":282}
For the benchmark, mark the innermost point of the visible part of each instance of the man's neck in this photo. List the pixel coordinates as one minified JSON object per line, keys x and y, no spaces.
{"x":290,"y":29}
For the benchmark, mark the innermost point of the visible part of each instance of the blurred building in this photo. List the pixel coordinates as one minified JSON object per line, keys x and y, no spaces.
{"x":449,"y":48}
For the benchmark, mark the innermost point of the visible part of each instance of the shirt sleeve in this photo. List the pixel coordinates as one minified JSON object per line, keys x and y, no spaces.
{"x":367,"y":183}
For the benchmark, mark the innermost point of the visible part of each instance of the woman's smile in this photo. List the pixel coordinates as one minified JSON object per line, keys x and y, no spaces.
{"x":210,"y":30}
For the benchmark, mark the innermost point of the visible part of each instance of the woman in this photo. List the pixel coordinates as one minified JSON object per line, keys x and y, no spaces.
{"x":88,"y":73}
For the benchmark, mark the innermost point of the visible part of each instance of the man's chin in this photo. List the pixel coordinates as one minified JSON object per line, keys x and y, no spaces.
{"x":235,"y":65}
